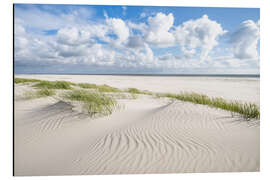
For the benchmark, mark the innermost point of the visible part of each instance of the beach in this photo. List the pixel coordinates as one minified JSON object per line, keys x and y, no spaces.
{"x":147,"y":135}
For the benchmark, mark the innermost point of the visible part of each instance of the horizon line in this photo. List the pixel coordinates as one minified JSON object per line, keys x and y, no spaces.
{"x":142,"y":74}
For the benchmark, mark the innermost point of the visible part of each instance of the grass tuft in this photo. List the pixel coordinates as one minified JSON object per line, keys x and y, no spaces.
{"x":248,"y":110}
{"x":106,"y":88}
{"x":23,"y":80}
{"x":45,"y":92}
{"x":134,"y":90}
{"x":123,"y":95}
{"x":38,"y":94}
{"x":94,"y":102}
{"x":54,"y":84}
{"x":100,"y":88}
{"x":137,"y":91}
{"x":87,"y":86}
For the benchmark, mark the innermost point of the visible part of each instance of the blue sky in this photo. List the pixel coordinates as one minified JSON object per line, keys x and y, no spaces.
{"x":136,"y":39}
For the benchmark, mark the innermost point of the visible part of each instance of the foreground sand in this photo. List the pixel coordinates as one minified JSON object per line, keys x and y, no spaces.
{"x":148,"y":136}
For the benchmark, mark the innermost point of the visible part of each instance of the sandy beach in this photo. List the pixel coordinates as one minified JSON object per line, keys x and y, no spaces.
{"x":148,"y":135}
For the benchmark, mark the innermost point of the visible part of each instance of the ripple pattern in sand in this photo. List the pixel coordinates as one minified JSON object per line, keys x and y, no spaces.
{"x":180,"y":137}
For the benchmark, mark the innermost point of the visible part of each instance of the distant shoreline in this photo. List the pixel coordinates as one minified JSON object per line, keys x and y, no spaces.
{"x":173,"y":75}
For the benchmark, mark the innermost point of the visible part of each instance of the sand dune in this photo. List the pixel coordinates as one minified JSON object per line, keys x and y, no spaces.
{"x":242,"y":89}
{"x":148,"y":136}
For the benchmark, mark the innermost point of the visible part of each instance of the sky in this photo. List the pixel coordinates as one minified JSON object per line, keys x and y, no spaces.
{"x":87,"y":39}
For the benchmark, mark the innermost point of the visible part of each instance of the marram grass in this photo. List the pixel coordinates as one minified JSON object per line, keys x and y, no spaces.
{"x":137,"y":91}
{"x":53,"y":84}
{"x":93,"y":101}
{"x":40,"y":93}
{"x":46,"y":84}
{"x":45,"y":92}
{"x":134,"y":90}
{"x":248,"y":110}
{"x":122,"y":95}
{"x":100,"y":88}
{"x":23,"y":80}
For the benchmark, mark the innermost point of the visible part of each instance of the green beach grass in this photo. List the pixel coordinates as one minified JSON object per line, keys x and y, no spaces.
{"x":45,"y":84}
{"x":23,"y":80}
{"x":123,"y":95}
{"x":40,"y":93}
{"x":137,"y":91}
{"x":54,"y":84}
{"x":101,"y":88}
{"x":93,"y":101}
{"x":248,"y":110}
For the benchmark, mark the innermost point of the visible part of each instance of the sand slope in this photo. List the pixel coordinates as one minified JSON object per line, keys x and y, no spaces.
{"x":148,"y":136}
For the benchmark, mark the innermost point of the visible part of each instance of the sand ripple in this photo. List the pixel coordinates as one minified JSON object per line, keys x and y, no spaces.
{"x":174,"y":137}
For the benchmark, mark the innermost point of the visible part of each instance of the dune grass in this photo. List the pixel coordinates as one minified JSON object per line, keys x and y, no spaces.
{"x":100,"y":88}
{"x":45,"y":92}
{"x":134,"y":90}
{"x":122,"y":95}
{"x":93,"y":101}
{"x":23,"y":80}
{"x":40,"y":93}
{"x":87,"y":86}
{"x":54,"y":84}
{"x":137,"y":91}
{"x":248,"y":110}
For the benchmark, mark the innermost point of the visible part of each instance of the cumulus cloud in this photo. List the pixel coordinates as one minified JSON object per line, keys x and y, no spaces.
{"x":22,"y":43}
{"x":158,"y":31}
{"x":245,"y":40}
{"x":141,"y":27}
{"x":119,"y":28}
{"x":20,"y":38}
{"x":99,"y":55}
{"x":135,"y":42}
{"x":201,"y":33}
{"x":73,"y":36}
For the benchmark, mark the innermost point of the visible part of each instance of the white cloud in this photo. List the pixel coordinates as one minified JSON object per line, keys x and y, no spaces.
{"x":158,"y":30}
{"x":201,"y":33}
{"x":20,"y":38}
{"x":245,"y":40}
{"x":118,"y":27}
{"x":142,"y":27}
{"x":135,"y":42}
{"x":22,"y":42}
{"x":41,"y":20}
{"x":73,"y":36}
{"x":188,"y":52}
{"x":99,"y":55}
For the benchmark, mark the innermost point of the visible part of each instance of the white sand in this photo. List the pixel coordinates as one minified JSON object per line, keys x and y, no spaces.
{"x":149,"y":136}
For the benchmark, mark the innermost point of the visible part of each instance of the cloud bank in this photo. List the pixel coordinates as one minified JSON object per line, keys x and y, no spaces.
{"x":111,"y":43}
